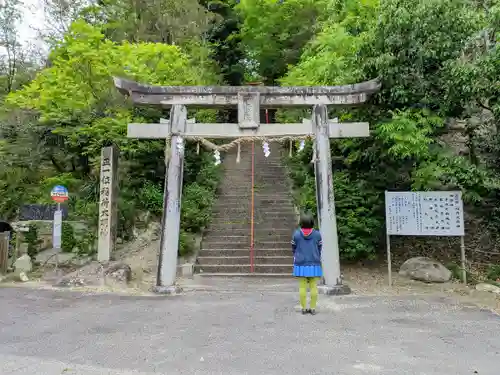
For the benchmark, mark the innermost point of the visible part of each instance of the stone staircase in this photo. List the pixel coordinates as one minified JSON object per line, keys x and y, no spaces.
{"x":226,"y":244}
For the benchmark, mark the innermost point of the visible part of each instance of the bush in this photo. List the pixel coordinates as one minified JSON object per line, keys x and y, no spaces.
{"x":87,"y":244}
{"x":209,"y":176}
{"x":196,"y":207}
{"x":358,"y":207}
{"x":128,"y":202}
{"x":493,"y":273}
{"x":152,"y":198}
{"x":68,"y":240}
{"x":186,"y":243}
{"x":457,"y":274}
{"x":31,"y":238}
{"x":360,"y":218}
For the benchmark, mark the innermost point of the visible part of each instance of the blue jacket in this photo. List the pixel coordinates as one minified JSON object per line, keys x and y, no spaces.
{"x":307,"y":249}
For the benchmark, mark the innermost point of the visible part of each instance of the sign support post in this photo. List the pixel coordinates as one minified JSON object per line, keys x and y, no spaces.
{"x":59,"y":194}
{"x":462,"y":254}
{"x":389,"y":258}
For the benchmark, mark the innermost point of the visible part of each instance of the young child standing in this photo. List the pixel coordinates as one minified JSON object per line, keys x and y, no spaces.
{"x":307,"y":246}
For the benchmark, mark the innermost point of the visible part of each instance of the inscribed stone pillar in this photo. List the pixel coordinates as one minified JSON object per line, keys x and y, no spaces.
{"x":248,"y":110}
{"x":326,"y":204}
{"x":108,"y":203}
{"x":171,"y":220}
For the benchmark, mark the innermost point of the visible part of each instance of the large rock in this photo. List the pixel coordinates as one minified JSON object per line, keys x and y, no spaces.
{"x":23,"y":264}
{"x":425,"y":269}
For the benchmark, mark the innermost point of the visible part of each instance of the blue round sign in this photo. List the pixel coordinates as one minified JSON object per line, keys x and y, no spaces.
{"x":59,"y":193}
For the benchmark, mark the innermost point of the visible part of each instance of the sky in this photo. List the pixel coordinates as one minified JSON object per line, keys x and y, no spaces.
{"x":33,"y":18}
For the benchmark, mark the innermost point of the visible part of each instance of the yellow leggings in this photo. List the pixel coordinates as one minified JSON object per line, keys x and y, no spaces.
{"x":312,"y":283}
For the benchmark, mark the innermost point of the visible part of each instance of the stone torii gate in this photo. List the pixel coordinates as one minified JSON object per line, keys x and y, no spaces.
{"x":249,"y":100}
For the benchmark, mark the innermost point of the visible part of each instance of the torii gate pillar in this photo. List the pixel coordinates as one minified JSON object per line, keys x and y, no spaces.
{"x":325,"y":201}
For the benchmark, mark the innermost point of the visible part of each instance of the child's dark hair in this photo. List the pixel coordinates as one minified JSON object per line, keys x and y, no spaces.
{"x":306,"y":221}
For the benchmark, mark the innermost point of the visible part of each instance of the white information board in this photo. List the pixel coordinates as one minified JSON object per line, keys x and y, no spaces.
{"x":424,"y":213}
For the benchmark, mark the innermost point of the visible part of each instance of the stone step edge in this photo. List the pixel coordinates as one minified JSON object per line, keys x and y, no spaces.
{"x":247,"y":250}
{"x":246,"y":195}
{"x":243,"y":265}
{"x":238,"y":244}
{"x":249,"y":274}
{"x":242,"y":246}
{"x":240,"y":206}
{"x":238,"y":202}
{"x":256,"y":230}
{"x":206,"y":240}
{"x":245,"y":221}
{"x":258,"y":203}
{"x":248,"y":256}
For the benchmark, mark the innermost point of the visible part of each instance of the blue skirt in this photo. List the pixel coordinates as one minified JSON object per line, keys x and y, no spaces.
{"x":307,"y":271}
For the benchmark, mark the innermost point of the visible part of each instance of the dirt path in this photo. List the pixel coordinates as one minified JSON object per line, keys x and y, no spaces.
{"x":362,"y":280}
{"x":374,"y":281}
{"x":141,"y":255}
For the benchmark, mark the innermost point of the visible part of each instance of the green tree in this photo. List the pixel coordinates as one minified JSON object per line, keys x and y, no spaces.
{"x":406,"y":45}
{"x":274,"y":33}
{"x":71,"y":129}
{"x":158,"y":21}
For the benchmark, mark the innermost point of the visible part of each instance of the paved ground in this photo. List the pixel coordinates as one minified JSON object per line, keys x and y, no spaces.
{"x":241,"y":332}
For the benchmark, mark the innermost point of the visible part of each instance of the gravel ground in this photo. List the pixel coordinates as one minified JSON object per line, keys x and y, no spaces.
{"x":364,"y":281}
{"x":242,"y":327}
{"x":249,"y":326}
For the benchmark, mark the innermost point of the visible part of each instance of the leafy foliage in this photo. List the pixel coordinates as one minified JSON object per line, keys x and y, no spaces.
{"x":274,"y":33}
{"x":69,"y":131}
{"x":68,"y":240}
{"x":32,"y":240}
{"x":417,"y":49}
{"x":437,"y":61}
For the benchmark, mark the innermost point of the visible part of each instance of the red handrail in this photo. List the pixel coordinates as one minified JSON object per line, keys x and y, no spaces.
{"x":252,"y":202}
{"x":252,"y":206}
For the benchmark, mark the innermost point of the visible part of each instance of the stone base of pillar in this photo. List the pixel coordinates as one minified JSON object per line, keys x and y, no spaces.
{"x":167,"y":290}
{"x":334,"y":290}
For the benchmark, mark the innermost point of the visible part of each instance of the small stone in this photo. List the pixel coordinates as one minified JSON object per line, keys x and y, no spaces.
{"x":23,"y":277}
{"x":118,"y":271}
{"x":23,"y":264}
{"x":70,"y":282}
{"x":425,"y":269}
{"x":484,"y":287}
